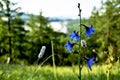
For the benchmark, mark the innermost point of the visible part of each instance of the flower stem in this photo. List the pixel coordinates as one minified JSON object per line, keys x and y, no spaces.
{"x":79,"y":61}
{"x":108,"y":74}
{"x":53,"y":59}
{"x":118,"y":68}
{"x":90,"y":78}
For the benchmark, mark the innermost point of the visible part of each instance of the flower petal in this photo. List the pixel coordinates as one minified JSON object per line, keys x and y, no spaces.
{"x":90,"y":62}
{"x":69,"y":46}
{"x":74,"y":36}
{"x":89,"y":30}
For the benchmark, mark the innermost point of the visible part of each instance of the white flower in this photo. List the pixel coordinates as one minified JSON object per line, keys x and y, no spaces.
{"x":83,"y":43}
{"x":42,"y":51}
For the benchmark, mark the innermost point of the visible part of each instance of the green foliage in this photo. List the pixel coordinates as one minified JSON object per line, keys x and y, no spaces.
{"x":107,"y":26}
{"x":13,"y":33}
{"x":28,"y":37}
{"x":41,"y":34}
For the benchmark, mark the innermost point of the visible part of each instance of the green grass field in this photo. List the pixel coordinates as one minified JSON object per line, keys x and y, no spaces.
{"x":19,"y":72}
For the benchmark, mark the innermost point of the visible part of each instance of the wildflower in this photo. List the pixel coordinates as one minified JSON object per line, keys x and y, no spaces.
{"x":83,"y":43}
{"x":74,"y":36}
{"x":42,"y":51}
{"x":90,"y":62}
{"x":89,"y":30}
{"x":69,"y":46}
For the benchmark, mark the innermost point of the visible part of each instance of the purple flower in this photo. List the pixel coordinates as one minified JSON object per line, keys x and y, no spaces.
{"x":69,"y":46}
{"x":74,"y":36}
{"x":90,"y":62}
{"x":89,"y":30}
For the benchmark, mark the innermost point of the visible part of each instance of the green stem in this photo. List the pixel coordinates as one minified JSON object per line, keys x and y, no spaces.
{"x":90,"y":78}
{"x":45,"y":60}
{"x":108,"y":76}
{"x":118,"y":68}
{"x":118,"y":72}
{"x":40,"y":66}
{"x":53,"y":59}
{"x":79,"y":61}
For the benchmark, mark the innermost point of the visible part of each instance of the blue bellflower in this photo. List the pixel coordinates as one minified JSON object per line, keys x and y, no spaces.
{"x":69,"y":46}
{"x":74,"y":36}
{"x":90,"y":62}
{"x":89,"y":30}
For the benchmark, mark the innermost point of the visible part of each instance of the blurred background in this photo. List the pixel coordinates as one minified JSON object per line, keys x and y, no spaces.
{"x":27,"y":25}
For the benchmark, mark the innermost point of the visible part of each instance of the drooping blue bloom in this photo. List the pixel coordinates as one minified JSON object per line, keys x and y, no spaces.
{"x":69,"y":46}
{"x":74,"y":36}
{"x":90,"y":62}
{"x":89,"y":30}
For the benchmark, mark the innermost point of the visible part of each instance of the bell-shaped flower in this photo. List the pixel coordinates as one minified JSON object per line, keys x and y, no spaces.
{"x":90,"y":62}
{"x":74,"y":36}
{"x":89,"y":30}
{"x":69,"y":46}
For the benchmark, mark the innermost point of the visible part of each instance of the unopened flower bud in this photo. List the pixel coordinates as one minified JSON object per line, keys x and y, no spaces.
{"x":83,"y":43}
{"x":42,"y":51}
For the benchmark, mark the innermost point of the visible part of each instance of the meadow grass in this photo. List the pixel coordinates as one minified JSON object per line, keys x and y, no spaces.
{"x":35,"y":72}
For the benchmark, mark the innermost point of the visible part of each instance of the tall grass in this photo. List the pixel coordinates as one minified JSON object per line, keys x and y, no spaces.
{"x":19,"y":72}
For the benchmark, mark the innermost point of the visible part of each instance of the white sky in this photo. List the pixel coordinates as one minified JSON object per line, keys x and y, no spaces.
{"x":59,"y":8}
